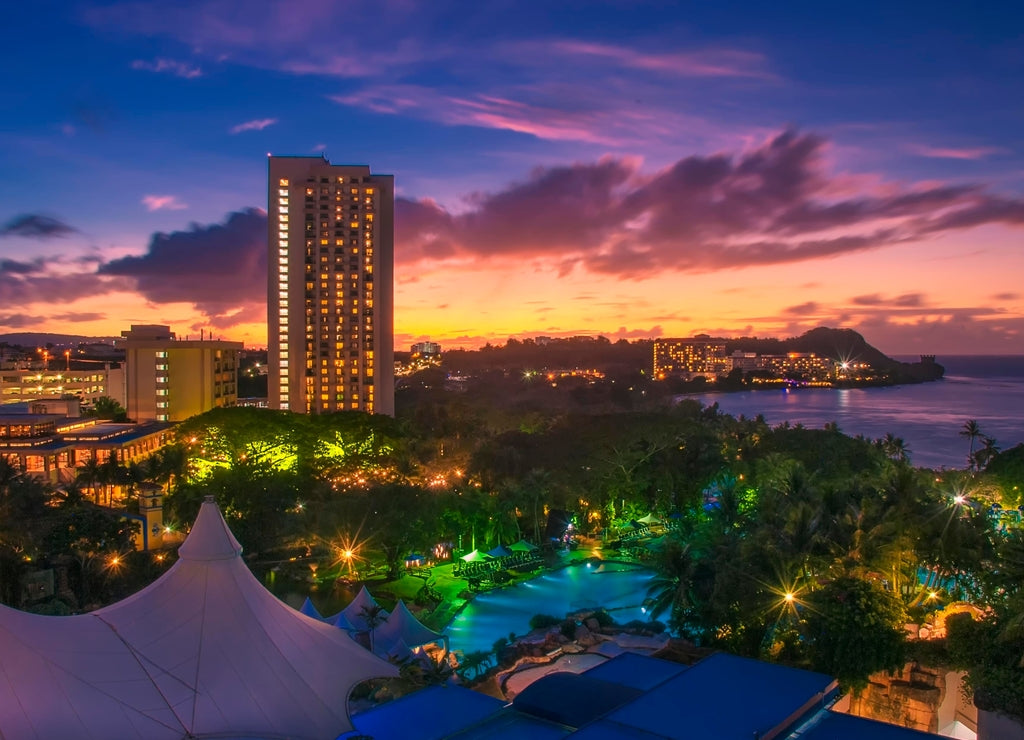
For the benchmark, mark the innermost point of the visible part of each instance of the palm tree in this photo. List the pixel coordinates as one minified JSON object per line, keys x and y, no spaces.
{"x":972,"y":431}
{"x":671,"y":589}
{"x":895,"y":448}
{"x":374,"y":616}
{"x":989,"y":449}
{"x":503,"y":524}
{"x":90,"y":473}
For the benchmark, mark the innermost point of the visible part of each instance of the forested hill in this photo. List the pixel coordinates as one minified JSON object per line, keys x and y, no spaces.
{"x":623,"y":356}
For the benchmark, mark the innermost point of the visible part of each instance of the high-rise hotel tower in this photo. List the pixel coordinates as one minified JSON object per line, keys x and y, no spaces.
{"x":330,"y":302}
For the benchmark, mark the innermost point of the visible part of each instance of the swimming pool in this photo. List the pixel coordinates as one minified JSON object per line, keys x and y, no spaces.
{"x":619,"y":587}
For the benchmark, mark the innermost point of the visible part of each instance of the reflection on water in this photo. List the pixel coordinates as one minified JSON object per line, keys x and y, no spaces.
{"x":619,"y":588}
{"x":927,"y":416}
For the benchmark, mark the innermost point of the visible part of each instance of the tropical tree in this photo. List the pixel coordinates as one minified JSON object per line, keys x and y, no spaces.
{"x":374,"y":616}
{"x":671,"y":590}
{"x":89,"y":474}
{"x":971,"y":431}
{"x":106,"y":407}
{"x":853,"y":629}
{"x":985,"y":455}
{"x":895,"y":448}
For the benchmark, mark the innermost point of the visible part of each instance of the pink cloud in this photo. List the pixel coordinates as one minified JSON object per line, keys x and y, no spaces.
{"x":966,"y":153}
{"x":550,"y":112}
{"x":171,"y":66}
{"x":256,"y":125}
{"x":706,"y":63}
{"x":163,"y":203}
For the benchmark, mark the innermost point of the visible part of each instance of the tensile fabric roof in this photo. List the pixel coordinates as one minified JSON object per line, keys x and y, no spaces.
{"x":204,"y":651}
{"x":402,"y":628}
{"x":354,"y":615}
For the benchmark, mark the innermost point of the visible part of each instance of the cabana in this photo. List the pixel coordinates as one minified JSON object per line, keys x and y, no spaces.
{"x":499,"y":552}
{"x":355,"y":612}
{"x":341,"y":622}
{"x":414,"y":559}
{"x":204,"y":651}
{"x":402,"y":628}
{"x":522,"y":546}
{"x":650,"y":519}
{"x":338,"y":620}
{"x":475,"y":557}
{"x":309,"y":610}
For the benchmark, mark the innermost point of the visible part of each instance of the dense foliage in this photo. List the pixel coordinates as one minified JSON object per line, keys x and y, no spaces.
{"x":793,"y":544}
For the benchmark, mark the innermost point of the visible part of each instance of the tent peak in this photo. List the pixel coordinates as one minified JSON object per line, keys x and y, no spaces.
{"x":210,"y":538}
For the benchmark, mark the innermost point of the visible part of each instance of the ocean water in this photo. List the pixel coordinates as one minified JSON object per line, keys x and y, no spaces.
{"x":928,"y":416}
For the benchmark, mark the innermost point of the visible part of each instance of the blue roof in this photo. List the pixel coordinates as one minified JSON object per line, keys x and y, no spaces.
{"x":428,"y":714}
{"x":572,"y":699}
{"x":838,"y":726}
{"x":606,"y":730}
{"x":726,"y":697}
{"x":637,"y":671}
{"x":508,"y":724}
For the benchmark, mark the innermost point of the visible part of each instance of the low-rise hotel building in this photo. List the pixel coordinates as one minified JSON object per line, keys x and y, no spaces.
{"x":49,"y":439}
{"x":18,"y":386}
{"x":168,"y":379}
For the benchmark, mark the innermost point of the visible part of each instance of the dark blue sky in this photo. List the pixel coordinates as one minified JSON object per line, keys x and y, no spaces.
{"x":538,"y":149}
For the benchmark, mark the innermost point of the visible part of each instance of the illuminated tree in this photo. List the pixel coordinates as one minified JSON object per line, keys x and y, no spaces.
{"x":853,"y":629}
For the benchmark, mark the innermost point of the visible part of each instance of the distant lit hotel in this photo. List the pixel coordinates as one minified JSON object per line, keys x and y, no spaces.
{"x":170,"y":379}
{"x":425,"y":349}
{"x":705,"y":357}
{"x":330,"y":294}
{"x":805,"y":365}
{"x":689,"y":358}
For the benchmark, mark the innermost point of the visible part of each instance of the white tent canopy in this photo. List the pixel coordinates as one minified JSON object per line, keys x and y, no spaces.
{"x":204,"y":651}
{"x":402,"y":628}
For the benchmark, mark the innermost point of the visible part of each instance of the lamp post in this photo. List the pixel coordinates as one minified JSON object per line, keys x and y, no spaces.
{"x":67,"y":357}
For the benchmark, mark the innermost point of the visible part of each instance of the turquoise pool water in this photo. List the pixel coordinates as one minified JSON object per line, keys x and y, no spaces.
{"x":618,"y":587}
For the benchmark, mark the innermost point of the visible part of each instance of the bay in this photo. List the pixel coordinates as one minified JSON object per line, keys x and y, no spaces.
{"x":928,"y":416}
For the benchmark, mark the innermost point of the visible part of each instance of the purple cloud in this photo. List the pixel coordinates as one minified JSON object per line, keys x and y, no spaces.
{"x":907,"y":300}
{"x":79,"y":317}
{"x":804,"y":309}
{"x":36,"y":226}
{"x":772,"y":204}
{"x":20,"y":320}
{"x":14,"y":267}
{"x":169,"y":66}
{"x":219,"y":268}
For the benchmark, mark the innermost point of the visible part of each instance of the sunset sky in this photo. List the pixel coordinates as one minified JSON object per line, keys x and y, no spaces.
{"x":632,"y":169}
